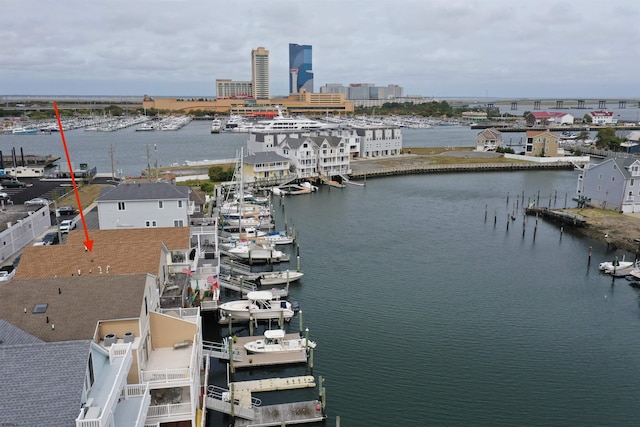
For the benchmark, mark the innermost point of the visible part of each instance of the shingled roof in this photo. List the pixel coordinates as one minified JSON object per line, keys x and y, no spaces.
{"x":143,"y":191}
{"x":74,"y":305}
{"x":135,"y":250}
{"x":42,"y":383}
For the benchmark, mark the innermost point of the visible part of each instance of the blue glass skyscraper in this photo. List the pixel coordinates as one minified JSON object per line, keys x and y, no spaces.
{"x":300,"y":71}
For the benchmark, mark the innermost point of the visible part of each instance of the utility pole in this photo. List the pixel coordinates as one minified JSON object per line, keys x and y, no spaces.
{"x":155,"y":148}
{"x":148,"y":163}
{"x":113,"y":171}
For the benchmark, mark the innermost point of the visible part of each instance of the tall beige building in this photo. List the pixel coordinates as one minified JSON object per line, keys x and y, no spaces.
{"x":260,"y":73}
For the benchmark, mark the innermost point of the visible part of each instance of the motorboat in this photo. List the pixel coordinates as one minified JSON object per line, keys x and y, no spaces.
{"x":609,"y":266}
{"x":275,"y":341}
{"x":145,"y":127}
{"x":623,"y":270}
{"x":256,"y":252}
{"x":24,"y":131}
{"x":259,"y":305}
{"x":278,"y":238}
{"x":216,"y":126}
{"x":279,"y":277}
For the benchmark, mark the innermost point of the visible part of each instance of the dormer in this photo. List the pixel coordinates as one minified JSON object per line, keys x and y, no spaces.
{"x":634,"y":168}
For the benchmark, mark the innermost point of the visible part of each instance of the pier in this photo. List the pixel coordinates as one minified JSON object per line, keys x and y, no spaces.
{"x":424,"y":168}
{"x":558,"y":216}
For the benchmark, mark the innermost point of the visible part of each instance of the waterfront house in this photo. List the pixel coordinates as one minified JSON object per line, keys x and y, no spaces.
{"x":63,"y":383}
{"x":197,"y":204}
{"x":541,"y":143}
{"x":379,"y":141}
{"x":143,"y":205}
{"x":488,"y":140}
{"x":612,"y":184}
{"x":602,"y":118}
{"x":548,"y":118}
{"x":265,"y":168}
{"x":160,"y":350}
{"x":303,"y":155}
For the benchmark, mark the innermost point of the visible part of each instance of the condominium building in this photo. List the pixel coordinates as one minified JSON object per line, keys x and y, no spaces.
{"x":260,"y":73}
{"x":300,"y":68}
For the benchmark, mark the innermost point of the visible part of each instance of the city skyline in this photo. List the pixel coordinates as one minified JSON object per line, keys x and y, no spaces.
{"x":442,"y":49}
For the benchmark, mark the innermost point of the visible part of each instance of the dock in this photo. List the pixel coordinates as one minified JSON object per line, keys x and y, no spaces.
{"x":285,"y":414}
{"x":249,"y":360}
{"x":558,"y":216}
{"x":425,"y":168}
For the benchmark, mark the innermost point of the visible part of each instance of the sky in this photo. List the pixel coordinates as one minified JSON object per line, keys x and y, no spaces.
{"x":432,"y":48}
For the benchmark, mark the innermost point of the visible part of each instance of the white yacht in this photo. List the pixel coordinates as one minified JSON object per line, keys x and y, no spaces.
{"x":282,"y":123}
{"x":216,"y":126}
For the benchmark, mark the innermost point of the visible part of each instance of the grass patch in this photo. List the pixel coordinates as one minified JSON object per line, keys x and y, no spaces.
{"x":88,"y":193}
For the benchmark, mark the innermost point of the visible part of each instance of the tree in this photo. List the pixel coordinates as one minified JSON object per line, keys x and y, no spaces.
{"x":587,"y":118}
{"x":220,"y":174}
{"x":583,"y":135}
{"x":606,"y":138}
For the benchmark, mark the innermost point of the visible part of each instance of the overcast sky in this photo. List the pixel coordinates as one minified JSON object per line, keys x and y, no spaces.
{"x":440,"y":48}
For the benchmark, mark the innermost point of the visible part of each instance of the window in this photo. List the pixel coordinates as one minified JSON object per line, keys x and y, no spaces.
{"x":40,"y":308}
{"x":613,"y":178}
{"x":178,"y":223}
{"x":121,"y":206}
{"x":160,"y":204}
{"x":150,"y":224}
{"x":631,"y":182}
{"x":179,"y":203}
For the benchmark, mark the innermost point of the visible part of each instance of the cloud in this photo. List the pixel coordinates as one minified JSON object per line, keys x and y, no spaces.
{"x":442,"y":48}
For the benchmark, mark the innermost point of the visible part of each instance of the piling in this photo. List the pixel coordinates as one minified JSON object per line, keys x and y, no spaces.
{"x":231,"y":367}
{"x":589,"y":259}
{"x":485,"y":213}
{"x":300,"y":322}
{"x":298,"y":263}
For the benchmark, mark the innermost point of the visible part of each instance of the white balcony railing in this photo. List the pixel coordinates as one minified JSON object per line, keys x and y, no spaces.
{"x":166,"y":376}
{"x":169,"y":410}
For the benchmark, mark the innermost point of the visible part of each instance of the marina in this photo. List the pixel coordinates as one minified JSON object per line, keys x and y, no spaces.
{"x":518,"y":307}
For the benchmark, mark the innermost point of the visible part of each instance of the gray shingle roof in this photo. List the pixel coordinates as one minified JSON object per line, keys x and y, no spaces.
{"x":11,"y":335}
{"x":143,"y":191}
{"x":264,"y":157}
{"x":42,"y":383}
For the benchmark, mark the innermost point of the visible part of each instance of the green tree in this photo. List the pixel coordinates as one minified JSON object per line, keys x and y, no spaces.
{"x":220,"y":174}
{"x":607,"y":138}
{"x":586,"y":118}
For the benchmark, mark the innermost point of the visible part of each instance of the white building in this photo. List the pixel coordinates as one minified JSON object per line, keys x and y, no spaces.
{"x":379,"y":142}
{"x":142,"y":205}
{"x":602,"y":118}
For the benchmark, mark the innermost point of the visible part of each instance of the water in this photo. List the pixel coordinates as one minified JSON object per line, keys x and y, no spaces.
{"x":424,"y":311}
{"x":426,"y":314}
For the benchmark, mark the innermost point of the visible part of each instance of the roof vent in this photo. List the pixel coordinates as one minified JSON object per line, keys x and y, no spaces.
{"x":110,"y":339}
{"x":129,"y":337}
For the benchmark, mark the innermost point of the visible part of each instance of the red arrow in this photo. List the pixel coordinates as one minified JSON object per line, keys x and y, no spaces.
{"x":88,"y":244}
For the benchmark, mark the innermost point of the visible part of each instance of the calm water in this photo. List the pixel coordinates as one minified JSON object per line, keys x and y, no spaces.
{"x":425,"y":312}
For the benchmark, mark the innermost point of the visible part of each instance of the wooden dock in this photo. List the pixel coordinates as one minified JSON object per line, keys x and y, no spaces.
{"x":285,"y":414}
{"x":266,"y":359}
{"x":424,"y":168}
{"x":558,"y":216}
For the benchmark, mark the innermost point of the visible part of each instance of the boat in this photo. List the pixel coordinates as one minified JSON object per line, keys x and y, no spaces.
{"x":145,"y":127}
{"x":259,"y":305}
{"x":282,"y":123}
{"x":216,"y":126}
{"x":24,"y":131}
{"x":278,"y":238}
{"x":279,"y":277}
{"x":275,"y":341}
{"x":293,"y":189}
{"x":609,"y":266}
{"x":256,"y":252}
{"x":623,"y":270}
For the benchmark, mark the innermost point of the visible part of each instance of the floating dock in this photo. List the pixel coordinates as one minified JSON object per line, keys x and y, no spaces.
{"x":285,"y":414}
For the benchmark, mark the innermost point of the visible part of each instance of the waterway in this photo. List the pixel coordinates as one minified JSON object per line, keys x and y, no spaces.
{"x":429,"y":305}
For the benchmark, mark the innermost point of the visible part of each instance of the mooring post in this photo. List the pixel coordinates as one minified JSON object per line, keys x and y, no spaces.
{"x":298,"y":263}
{"x":231,"y":367}
{"x":508,"y":222}
{"x":589,"y":259}
{"x":230,"y":324}
{"x":485,"y":213}
{"x":300,"y":322}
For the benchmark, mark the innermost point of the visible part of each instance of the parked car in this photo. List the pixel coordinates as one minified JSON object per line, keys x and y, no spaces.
{"x":67,"y":225}
{"x":51,"y":238}
{"x":38,"y":201}
{"x":13,"y":183}
{"x":7,"y":272}
{"x":66,"y":210}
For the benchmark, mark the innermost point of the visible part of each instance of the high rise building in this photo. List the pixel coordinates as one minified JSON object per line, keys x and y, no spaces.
{"x":260,"y":73}
{"x":300,"y":71}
